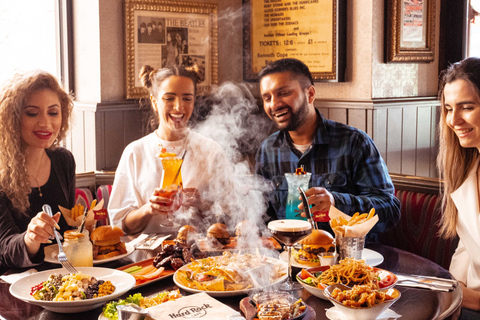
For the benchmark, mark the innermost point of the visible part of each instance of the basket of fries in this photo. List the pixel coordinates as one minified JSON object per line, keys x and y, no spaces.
{"x":350,"y":232}
{"x":76,"y":215}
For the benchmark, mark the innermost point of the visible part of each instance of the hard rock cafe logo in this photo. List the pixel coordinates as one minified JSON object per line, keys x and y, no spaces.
{"x":191,"y":312}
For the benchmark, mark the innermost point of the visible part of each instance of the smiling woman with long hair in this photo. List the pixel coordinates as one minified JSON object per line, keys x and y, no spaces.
{"x":34,"y":117}
{"x":458,"y":162}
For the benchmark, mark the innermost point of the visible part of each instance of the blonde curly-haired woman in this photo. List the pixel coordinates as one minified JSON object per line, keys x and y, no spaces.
{"x":34,"y":117}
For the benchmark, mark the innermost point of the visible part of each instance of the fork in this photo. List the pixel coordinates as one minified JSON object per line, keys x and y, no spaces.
{"x":62,"y":257}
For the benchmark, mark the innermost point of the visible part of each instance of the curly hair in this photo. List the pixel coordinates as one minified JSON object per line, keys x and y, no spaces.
{"x":14,"y":179}
{"x":454,"y":162}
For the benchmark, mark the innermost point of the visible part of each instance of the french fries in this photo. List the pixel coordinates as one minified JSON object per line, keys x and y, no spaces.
{"x":77,"y":211}
{"x":339,"y":224}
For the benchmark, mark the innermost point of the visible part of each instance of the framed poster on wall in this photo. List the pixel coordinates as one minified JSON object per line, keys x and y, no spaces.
{"x":410,"y":35}
{"x":311,"y":31}
{"x":168,"y":33}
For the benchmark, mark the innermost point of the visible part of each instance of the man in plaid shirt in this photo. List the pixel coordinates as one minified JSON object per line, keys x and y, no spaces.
{"x":347,"y":170}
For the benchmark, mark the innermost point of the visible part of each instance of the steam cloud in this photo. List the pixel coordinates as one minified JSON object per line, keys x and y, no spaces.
{"x":231,"y":117}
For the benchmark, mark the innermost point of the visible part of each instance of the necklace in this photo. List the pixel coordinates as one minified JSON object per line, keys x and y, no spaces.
{"x":36,"y":178}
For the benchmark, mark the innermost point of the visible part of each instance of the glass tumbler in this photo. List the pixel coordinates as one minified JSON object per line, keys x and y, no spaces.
{"x":294,"y":182}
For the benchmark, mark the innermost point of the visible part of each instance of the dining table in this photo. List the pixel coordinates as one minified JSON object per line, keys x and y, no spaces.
{"x":415,"y":303}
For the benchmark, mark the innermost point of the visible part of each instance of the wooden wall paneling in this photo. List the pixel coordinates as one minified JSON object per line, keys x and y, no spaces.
{"x":357,"y":118}
{"x":424,"y":138}
{"x":89,"y":141}
{"x":78,"y":141}
{"x":115,"y":131}
{"x":409,"y":141}
{"x":380,"y":132}
{"x":324,"y":112}
{"x":394,"y":139}
{"x":369,"y":123}
{"x":134,"y":125}
{"x":434,"y":140}
{"x":117,"y":124}
{"x":100,"y":139}
{"x":339,"y":115}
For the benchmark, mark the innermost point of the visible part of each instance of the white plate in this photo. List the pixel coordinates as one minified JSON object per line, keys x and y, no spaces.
{"x":226,"y":293}
{"x":51,"y":253}
{"x":372,"y":258}
{"x":121,"y":280}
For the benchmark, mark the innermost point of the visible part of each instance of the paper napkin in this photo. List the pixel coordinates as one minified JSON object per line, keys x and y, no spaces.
{"x":199,"y":305}
{"x":334,"y":314}
{"x":11,"y":278}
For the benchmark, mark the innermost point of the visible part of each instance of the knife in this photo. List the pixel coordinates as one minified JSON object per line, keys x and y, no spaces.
{"x":307,"y":208}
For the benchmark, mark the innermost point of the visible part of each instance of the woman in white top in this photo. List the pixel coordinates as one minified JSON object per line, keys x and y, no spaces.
{"x":458,"y":162}
{"x":135,"y":204}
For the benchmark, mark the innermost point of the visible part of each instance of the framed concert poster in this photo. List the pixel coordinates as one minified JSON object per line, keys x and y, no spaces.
{"x":311,"y":31}
{"x":168,"y":33}
{"x":410,"y":34}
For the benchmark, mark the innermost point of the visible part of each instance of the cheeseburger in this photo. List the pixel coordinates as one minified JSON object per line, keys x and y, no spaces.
{"x":318,"y":241}
{"x":218,"y":234}
{"x":106,"y":242}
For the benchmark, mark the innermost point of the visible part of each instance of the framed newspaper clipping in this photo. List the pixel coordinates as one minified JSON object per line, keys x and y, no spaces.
{"x":309,"y":30}
{"x":170,"y":33}
{"x":410,"y":35}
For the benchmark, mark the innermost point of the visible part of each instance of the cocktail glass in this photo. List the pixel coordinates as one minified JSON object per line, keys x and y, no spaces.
{"x":294,"y":182}
{"x":289,"y":232}
{"x":171,"y":183}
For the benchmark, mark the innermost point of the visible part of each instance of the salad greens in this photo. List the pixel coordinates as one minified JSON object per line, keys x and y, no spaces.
{"x":110,"y":310}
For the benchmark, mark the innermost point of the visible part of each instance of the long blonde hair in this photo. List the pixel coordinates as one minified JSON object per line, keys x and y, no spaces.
{"x":454,"y":162}
{"x":14,"y":179}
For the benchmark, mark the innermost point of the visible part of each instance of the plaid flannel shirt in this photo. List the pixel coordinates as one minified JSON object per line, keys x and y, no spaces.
{"x":343,"y":160}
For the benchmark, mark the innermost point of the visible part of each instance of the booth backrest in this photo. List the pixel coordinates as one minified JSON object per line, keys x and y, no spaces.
{"x":103,"y":192}
{"x":417,"y":230}
{"x":83,"y":196}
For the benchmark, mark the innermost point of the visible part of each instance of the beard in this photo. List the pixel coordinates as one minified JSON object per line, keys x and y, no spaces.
{"x":297,"y":118}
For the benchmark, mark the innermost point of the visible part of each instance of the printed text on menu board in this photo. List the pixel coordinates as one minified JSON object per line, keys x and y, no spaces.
{"x":301,"y":29}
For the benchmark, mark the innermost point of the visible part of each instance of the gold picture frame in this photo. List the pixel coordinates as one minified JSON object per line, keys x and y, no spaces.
{"x":311,"y":31}
{"x":410,"y":32}
{"x":167,"y":33}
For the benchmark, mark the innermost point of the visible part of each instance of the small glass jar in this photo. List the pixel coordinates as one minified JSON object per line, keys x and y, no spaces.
{"x":78,"y":248}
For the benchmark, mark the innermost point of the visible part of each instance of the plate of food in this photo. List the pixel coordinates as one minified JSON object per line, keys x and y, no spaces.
{"x":305,"y":252}
{"x":230,"y":274}
{"x":145,"y":272}
{"x":59,"y":291}
{"x":345,"y":299}
{"x":218,"y":239}
{"x":110,"y":309}
{"x":107,"y":246}
{"x":348,"y":272}
{"x":273,"y":305}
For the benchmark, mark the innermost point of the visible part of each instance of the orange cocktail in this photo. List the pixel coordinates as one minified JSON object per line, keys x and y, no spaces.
{"x":171,"y":182}
{"x":171,"y":170}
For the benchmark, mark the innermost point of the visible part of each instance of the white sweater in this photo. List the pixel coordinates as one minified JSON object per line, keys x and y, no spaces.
{"x":139,"y":172}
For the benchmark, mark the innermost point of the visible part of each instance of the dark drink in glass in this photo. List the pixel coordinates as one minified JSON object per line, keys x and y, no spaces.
{"x":289,"y":238}
{"x":290,"y":231}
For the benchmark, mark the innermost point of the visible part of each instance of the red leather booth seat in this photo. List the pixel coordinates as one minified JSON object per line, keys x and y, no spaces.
{"x":417,"y":230}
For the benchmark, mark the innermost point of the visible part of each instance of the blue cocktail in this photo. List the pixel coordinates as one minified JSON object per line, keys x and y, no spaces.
{"x":295,"y":181}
